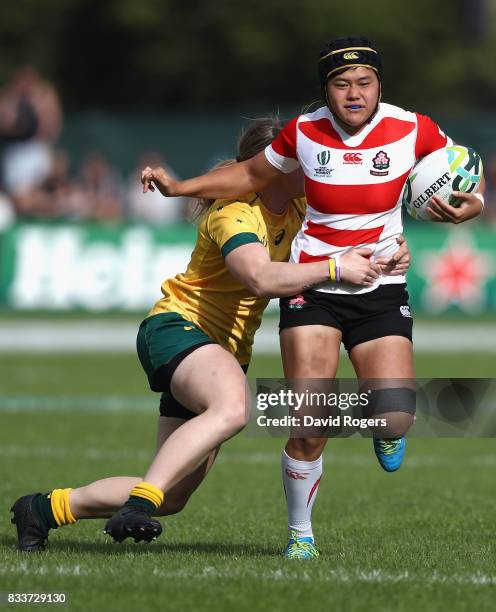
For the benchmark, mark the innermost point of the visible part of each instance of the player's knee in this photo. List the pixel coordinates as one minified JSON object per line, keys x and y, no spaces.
{"x":234,"y":417}
{"x":393,"y":410}
{"x":305,"y":449}
{"x":393,"y":424}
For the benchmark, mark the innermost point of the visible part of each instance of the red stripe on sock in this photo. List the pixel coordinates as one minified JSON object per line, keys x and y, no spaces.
{"x":314,"y":488}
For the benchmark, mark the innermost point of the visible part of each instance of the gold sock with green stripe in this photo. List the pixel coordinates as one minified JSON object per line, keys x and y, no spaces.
{"x":53,"y":508}
{"x":59,"y":501}
{"x":147,"y":496}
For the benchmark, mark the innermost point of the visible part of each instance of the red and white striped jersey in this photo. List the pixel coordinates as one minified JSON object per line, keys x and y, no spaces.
{"x":353,"y":184}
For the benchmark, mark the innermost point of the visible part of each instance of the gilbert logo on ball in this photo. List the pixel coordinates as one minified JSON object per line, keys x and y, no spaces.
{"x":449,"y":169}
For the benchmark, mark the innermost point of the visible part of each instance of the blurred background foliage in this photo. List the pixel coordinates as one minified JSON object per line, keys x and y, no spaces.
{"x":163,"y":54}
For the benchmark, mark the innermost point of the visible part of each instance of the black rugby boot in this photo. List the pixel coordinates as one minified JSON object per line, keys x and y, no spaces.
{"x":133,"y":522}
{"x":32,"y":533}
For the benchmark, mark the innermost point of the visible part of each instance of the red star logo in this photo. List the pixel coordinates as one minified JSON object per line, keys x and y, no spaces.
{"x":456,"y":274}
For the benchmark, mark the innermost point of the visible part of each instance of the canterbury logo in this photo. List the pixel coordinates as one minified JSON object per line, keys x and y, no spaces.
{"x":324,"y":157}
{"x":352,"y":158}
{"x":350,"y":55}
{"x":297,"y":475}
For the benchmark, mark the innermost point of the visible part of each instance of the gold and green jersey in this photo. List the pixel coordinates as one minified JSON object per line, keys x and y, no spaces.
{"x":207,"y":293}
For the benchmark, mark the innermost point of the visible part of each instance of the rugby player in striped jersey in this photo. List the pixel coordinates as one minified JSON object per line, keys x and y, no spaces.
{"x":356,"y":153}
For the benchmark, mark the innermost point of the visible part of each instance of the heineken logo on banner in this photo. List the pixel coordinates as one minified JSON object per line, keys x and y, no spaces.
{"x":92,"y":268}
{"x":456,"y":274}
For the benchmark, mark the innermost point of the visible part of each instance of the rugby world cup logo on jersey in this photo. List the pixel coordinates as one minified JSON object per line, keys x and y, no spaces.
{"x":324,"y":157}
{"x":381,"y":164}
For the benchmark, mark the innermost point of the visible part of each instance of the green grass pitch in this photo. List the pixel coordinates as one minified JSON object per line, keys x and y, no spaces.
{"x":420,"y":539}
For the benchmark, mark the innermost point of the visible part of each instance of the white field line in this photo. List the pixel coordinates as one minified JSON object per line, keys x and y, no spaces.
{"x":82,"y":403}
{"x":89,"y":454}
{"x":256,"y":458}
{"x":333,"y":576}
{"x":330,"y":576}
{"x":31,"y":336}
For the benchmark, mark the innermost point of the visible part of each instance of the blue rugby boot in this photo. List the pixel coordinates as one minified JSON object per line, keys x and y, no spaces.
{"x":300,"y":547}
{"x":390,"y":452}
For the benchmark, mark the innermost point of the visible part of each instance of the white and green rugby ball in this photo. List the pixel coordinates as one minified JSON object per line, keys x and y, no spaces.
{"x":449,"y":169}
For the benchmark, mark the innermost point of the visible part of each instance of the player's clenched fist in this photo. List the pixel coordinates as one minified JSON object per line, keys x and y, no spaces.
{"x":357,"y":267}
{"x":398,"y":264}
{"x":157,"y":177}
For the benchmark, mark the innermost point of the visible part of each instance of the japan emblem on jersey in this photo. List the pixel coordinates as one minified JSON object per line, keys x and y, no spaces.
{"x":381,"y":164}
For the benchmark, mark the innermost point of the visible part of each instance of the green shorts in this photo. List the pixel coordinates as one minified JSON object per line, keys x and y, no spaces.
{"x":163,"y":341}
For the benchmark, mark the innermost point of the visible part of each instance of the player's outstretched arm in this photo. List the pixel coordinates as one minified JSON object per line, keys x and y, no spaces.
{"x":254,"y":174}
{"x":250,"y":263}
{"x":471,"y":206}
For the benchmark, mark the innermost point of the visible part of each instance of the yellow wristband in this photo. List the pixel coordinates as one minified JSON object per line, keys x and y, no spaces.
{"x":332,"y":269}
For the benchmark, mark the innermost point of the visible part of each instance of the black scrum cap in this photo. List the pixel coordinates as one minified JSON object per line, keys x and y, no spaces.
{"x":342,"y":53}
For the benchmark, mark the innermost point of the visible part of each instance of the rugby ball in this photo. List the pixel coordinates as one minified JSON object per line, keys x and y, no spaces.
{"x":449,"y":169}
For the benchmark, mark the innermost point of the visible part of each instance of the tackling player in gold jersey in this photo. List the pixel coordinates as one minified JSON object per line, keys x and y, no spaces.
{"x":207,"y":294}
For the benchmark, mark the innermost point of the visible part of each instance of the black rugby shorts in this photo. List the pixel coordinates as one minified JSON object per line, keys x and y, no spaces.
{"x":382,"y":312}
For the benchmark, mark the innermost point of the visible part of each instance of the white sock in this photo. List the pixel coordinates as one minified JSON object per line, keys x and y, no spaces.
{"x":301,"y":482}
